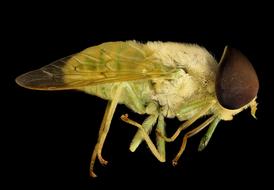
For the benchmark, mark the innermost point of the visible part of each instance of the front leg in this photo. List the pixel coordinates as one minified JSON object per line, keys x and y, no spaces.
{"x":190,"y":134}
{"x":204,"y":108}
{"x":205,"y":139}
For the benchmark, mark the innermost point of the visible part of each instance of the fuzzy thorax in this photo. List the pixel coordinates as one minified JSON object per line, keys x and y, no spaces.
{"x":195,"y":78}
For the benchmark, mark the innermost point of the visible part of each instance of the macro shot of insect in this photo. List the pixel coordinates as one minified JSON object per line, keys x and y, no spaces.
{"x":160,"y":79}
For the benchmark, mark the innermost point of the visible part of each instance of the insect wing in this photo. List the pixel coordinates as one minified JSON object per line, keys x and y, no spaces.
{"x":105,"y":63}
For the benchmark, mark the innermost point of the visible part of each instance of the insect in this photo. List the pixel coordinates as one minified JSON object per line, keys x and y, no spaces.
{"x":160,"y":79}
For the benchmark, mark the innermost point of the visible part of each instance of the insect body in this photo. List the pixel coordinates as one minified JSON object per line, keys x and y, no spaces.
{"x":159,"y":79}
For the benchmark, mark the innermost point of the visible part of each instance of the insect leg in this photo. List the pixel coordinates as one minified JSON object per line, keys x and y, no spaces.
{"x":190,"y":134}
{"x":147,"y":126}
{"x":205,"y":139}
{"x":149,"y":142}
{"x":105,"y":125}
{"x":187,"y":123}
{"x":92,"y":161}
{"x":159,"y":140}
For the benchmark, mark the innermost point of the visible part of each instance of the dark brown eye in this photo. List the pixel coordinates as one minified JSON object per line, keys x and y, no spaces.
{"x":236,"y":81}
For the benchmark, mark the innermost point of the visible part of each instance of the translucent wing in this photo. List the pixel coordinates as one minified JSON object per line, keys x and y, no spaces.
{"x":105,"y":63}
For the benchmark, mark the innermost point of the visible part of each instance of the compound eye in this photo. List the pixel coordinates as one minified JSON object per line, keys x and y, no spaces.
{"x":236,"y":81}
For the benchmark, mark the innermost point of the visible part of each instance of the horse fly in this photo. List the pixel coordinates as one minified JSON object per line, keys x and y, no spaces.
{"x":160,"y":79}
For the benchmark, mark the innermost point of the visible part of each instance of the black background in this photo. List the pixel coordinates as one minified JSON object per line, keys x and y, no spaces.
{"x":51,"y":135}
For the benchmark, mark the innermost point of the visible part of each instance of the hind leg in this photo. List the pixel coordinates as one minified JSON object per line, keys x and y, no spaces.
{"x":105,"y":125}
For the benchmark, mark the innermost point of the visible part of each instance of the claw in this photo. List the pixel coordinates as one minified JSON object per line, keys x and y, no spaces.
{"x":92,"y":174}
{"x":102,"y":160}
{"x":124,"y":117}
{"x":174,"y":162}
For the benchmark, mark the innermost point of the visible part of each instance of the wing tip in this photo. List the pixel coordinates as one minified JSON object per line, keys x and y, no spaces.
{"x":37,"y":80}
{"x":21,"y":82}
